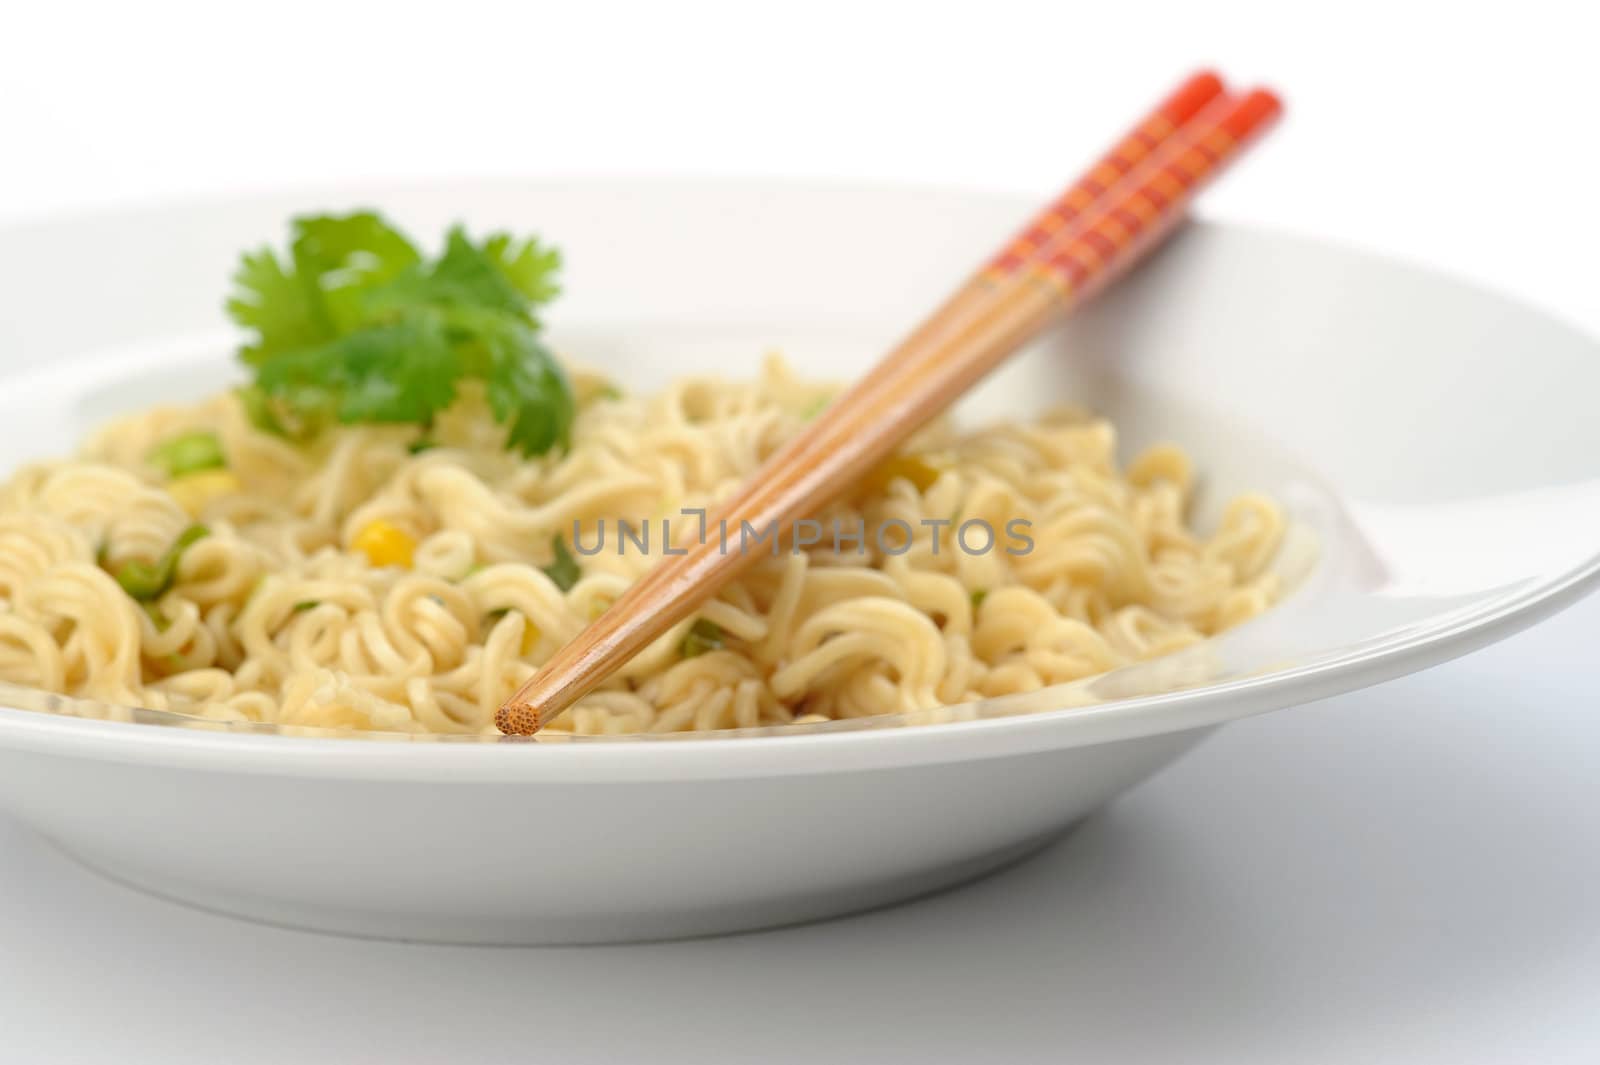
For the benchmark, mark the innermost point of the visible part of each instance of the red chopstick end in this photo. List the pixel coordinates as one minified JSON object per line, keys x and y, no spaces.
{"x":1252,"y":114}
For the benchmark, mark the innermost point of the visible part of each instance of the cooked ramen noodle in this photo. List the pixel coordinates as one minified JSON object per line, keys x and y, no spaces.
{"x":361,"y":582}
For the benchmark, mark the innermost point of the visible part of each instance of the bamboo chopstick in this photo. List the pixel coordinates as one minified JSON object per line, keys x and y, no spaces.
{"x":1046,"y":231}
{"x":1058,"y":217}
{"x":1036,"y":279}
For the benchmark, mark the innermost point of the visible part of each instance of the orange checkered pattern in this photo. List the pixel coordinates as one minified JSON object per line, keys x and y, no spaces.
{"x":1157,"y":194}
{"x":1145,"y":138}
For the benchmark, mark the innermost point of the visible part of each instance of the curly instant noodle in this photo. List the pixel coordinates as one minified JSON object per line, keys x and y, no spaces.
{"x":359,"y":582}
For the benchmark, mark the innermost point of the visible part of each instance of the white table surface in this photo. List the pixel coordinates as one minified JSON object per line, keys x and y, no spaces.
{"x":1409,"y":874}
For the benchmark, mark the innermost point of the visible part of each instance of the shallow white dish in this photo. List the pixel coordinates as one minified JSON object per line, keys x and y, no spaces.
{"x":1434,"y":444}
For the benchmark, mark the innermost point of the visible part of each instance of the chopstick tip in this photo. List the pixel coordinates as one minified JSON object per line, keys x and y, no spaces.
{"x":517,"y":719}
{"x":1266,"y":101}
{"x":1248,"y":116}
{"x":1208,"y":81}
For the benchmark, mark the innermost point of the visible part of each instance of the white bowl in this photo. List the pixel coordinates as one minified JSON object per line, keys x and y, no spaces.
{"x":1435,"y":445}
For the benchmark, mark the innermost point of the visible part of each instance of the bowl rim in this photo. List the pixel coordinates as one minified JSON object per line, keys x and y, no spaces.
{"x":889,"y":740}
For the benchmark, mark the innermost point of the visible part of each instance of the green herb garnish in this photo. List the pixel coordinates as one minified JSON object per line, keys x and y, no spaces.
{"x":421,"y":444}
{"x":148,"y":581}
{"x":702,"y":636}
{"x":564,"y":570}
{"x":355,"y":325}
{"x":978,"y":596}
{"x":187,"y":453}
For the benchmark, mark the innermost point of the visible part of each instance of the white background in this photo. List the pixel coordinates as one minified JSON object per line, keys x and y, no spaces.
{"x":1404,"y":875}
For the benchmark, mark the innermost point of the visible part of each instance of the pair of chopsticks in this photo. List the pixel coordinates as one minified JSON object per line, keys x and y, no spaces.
{"x":1080,"y":242}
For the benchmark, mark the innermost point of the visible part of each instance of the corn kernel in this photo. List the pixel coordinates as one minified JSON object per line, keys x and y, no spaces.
{"x":385,"y":544}
{"x":195,"y":491}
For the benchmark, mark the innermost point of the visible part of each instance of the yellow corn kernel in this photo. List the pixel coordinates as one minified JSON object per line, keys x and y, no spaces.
{"x":385,"y":544}
{"x":195,"y":491}
{"x":919,"y":471}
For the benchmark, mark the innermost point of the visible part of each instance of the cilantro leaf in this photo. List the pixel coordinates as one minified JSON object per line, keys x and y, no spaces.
{"x":529,"y":265}
{"x":345,"y":258}
{"x":564,"y":570}
{"x":284,"y":313}
{"x":360,"y":245}
{"x":360,"y":327}
{"x":401,"y":372}
{"x":527,"y":391}
{"x":463,"y":278}
{"x":466,"y":276}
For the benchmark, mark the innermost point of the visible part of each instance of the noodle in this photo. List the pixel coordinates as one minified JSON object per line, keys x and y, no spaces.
{"x":280,"y":614}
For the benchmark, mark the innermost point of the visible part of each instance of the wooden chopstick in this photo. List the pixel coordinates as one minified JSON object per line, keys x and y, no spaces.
{"x":1057,"y":220}
{"x":1040,"y":283}
{"x":1043,"y":233}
